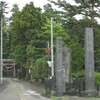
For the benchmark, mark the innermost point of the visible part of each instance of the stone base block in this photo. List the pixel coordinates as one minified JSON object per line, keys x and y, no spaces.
{"x":88,"y":93}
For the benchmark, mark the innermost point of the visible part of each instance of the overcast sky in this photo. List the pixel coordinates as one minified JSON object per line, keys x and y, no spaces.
{"x":21,"y":3}
{"x":37,"y":3}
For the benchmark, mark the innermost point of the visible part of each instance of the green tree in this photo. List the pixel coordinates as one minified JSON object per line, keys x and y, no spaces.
{"x":89,"y":10}
{"x":31,"y":23}
{"x":15,"y":36}
{"x":17,"y":40}
{"x":26,"y":35}
{"x":86,"y":8}
{"x":40,"y":70}
{"x":50,"y":12}
{"x":58,"y":31}
{"x":6,"y":40}
{"x":5,"y":28}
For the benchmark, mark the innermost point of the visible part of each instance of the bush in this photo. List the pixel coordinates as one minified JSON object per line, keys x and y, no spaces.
{"x":40,"y":69}
{"x":82,"y":74}
{"x":97,"y":78}
{"x":78,"y":74}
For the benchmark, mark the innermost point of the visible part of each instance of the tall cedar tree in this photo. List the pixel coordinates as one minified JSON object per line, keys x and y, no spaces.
{"x":26,"y":34}
{"x":89,"y":10}
{"x":5,"y":28}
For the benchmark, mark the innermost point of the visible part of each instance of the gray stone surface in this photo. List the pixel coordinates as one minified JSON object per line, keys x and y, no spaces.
{"x":66,"y":63}
{"x":13,"y":89}
{"x":59,"y":69}
{"x":77,"y":98}
{"x":89,"y":61}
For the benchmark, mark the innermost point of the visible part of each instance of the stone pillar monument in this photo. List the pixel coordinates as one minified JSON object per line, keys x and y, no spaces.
{"x":89,"y":62}
{"x":66,"y":63}
{"x":58,"y":68}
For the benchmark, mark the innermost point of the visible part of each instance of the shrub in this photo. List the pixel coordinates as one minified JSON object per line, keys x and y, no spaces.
{"x":40,"y":69}
{"x":97,"y":78}
{"x":78,"y":74}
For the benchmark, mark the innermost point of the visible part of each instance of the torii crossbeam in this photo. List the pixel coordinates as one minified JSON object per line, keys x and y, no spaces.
{"x":10,"y":62}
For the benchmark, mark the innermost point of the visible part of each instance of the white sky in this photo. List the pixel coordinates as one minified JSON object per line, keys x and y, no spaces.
{"x":21,"y":3}
{"x":37,"y":3}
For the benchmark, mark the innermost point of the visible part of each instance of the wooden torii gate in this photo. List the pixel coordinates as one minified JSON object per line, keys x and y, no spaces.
{"x":10,"y":62}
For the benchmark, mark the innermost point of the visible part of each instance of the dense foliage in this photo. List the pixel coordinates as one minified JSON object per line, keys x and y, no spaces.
{"x":29,"y":32}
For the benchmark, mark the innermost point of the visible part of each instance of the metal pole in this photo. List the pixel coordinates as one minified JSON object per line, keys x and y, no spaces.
{"x":1,"y":50}
{"x":48,"y":44}
{"x":48,"y":60}
{"x":52,"y":60}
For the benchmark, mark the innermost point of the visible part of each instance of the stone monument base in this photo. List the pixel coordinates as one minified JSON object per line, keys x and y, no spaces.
{"x":91,"y":93}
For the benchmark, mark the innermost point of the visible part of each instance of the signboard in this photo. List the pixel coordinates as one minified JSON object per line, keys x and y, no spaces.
{"x":49,"y":63}
{"x":47,"y":50}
